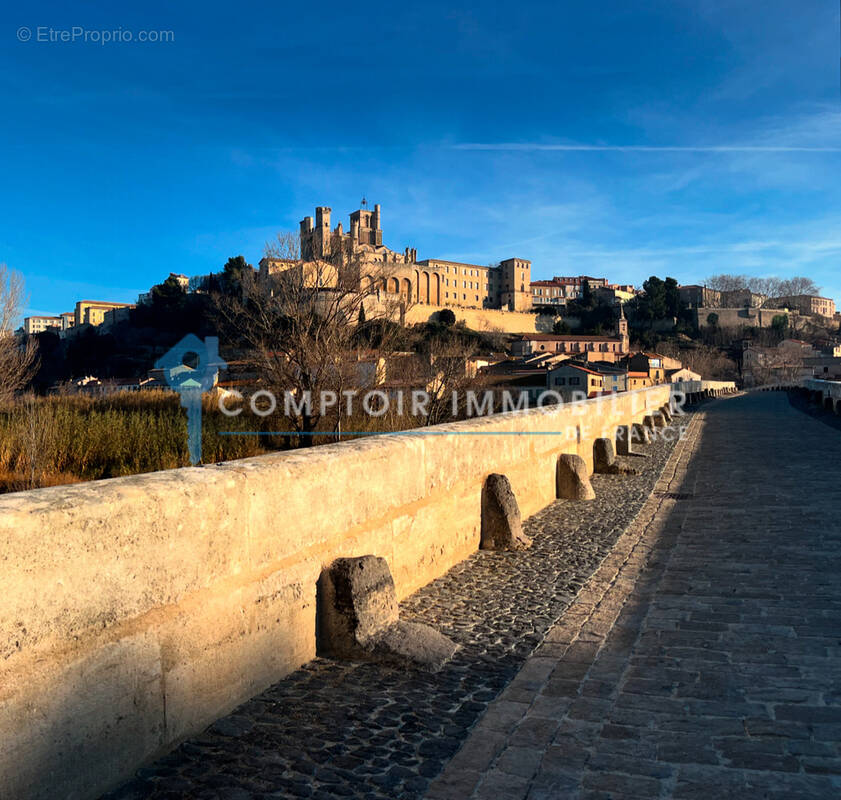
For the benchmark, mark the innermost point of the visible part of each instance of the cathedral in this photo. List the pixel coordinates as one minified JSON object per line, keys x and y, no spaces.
{"x":432,"y":281}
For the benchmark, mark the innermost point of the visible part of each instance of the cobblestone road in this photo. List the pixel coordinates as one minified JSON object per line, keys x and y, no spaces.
{"x":703,"y":659}
{"x":337,"y":729}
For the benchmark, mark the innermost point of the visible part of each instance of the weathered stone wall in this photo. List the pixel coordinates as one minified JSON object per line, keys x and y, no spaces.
{"x":827,"y":390}
{"x":136,"y":610}
{"x":688,"y":387}
{"x":488,"y":319}
{"x":739,"y":317}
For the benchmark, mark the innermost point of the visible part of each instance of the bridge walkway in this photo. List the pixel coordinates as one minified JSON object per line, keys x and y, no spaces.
{"x":703,"y":658}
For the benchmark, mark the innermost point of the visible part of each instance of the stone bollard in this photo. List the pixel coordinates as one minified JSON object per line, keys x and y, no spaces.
{"x":604,"y":459}
{"x":641,"y":433}
{"x":623,"y":440}
{"x":604,"y":456}
{"x":666,"y":412}
{"x":571,"y":479}
{"x":676,"y":403}
{"x":648,"y":422}
{"x":659,"y":419}
{"x":358,"y":618}
{"x":502,"y":527}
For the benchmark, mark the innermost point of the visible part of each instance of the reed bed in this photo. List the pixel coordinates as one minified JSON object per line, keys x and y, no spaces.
{"x":59,"y":439}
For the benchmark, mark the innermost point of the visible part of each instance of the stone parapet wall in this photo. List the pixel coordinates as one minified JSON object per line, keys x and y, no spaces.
{"x":137,"y":610}
{"x":689,"y":387}
{"x":827,"y":388}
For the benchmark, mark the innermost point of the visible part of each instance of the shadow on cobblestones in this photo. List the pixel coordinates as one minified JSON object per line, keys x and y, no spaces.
{"x":803,"y":404}
{"x":335,"y":729}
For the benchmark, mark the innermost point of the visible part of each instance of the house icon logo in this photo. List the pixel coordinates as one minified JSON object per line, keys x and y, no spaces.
{"x":191,"y":368}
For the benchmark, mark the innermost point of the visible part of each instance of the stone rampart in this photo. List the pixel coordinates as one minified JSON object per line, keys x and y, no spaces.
{"x":486,"y":319}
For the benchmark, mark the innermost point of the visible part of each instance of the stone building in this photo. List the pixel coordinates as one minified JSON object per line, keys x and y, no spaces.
{"x":430,"y":281}
{"x":39,"y":324}
{"x":806,"y":304}
{"x":475,"y":286}
{"x":696,"y":296}
{"x":570,"y":378}
{"x":742,"y":298}
{"x":653,"y":365}
{"x":92,"y":312}
{"x":608,"y":348}
{"x":561,"y":289}
{"x":365,"y":238}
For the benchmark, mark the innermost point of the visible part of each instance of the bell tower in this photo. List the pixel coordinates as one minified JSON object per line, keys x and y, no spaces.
{"x":622,"y":330}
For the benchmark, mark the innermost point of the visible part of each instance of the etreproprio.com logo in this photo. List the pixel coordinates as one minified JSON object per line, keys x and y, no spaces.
{"x":46,"y":34}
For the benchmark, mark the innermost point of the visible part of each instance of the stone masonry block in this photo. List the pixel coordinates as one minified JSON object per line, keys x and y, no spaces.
{"x":604,"y":459}
{"x":358,"y":618}
{"x":604,"y":456}
{"x":571,"y":479}
{"x":641,"y":433}
{"x":624,"y":445}
{"x":356,"y":600}
{"x":502,"y":526}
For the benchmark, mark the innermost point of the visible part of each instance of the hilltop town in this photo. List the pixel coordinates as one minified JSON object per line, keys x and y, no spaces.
{"x":581,"y":331}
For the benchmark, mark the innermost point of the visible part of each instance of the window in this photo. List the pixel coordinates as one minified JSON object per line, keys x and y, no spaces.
{"x":574,"y":381}
{"x":560,"y":381}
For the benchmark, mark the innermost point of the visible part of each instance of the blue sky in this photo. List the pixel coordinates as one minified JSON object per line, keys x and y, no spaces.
{"x":618,"y":139}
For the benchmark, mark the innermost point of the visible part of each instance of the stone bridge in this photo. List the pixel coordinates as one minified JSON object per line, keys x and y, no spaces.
{"x":137,"y":611}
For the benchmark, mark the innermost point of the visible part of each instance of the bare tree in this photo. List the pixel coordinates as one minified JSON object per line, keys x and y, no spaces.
{"x":302,"y":325}
{"x":797,"y":285}
{"x":18,"y":358}
{"x":770,"y":287}
{"x":727,"y":283}
{"x":285,"y":247}
{"x":709,"y":362}
{"x":444,"y":373}
{"x":763,"y":366}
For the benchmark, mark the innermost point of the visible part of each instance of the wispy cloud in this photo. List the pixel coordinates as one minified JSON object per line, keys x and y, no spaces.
{"x":723,"y":247}
{"x":638,"y":148}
